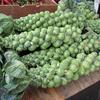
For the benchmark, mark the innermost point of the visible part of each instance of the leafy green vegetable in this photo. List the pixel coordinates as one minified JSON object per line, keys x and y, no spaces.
{"x":16,"y":77}
{"x":6,"y":25}
{"x":11,"y":55}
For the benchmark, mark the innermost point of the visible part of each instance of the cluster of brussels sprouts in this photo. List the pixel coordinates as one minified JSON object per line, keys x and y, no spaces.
{"x":46,"y":19}
{"x":94,"y":25}
{"x":60,"y":73}
{"x":32,"y":21}
{"x":84,"y":9}
{"x":39,"y":58}
{"x":42,"y":38}
{"x":66,"y":5}
{"x":90,"y":43}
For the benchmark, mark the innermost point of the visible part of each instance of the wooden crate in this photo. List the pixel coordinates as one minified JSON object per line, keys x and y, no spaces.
{"x":63,"y":92}
{"x":17,"y":11}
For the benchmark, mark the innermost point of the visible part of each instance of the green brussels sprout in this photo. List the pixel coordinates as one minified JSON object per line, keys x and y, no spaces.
{"x":64,"y":81}
{"x":61,"y":36}
{"x":27,"y":44}
{"x":57,"y":43}
{"x":76,"y":77}
{"x":57,"y":81}
{"x":69,"y":74}
{"x":45,"y":45}
{"x":51,"y":84}
{"x":73,"y":68}
{"x":81,"y":71}
{"x":60,"y":72}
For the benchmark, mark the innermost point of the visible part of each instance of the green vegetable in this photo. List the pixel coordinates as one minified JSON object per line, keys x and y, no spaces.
{"x":16,"y":78}
{"x":6,"y":25}
{"x":45,"y":20}
{"x":30,"y":41}
{"x":94,"y":25}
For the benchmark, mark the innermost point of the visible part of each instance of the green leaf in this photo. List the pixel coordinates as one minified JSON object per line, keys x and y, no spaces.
{"x":21,"y":86}
{"x":10,"y":55}
{"x":16,"y":69}
{"x":8,"y":96}
{"x":10,"y":86}
{"x":6,"y":25}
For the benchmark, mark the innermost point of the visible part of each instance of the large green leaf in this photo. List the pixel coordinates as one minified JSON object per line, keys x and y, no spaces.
{"x":16,"y":79}
{"x":15,"y":69}
{"x":6,"y":25}
{"x":11,"y":55}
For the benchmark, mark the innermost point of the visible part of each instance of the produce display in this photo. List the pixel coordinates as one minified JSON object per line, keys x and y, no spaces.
{"x":48,"y":49}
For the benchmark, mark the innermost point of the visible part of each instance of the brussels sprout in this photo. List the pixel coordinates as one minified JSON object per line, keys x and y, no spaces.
{"x":32,"y":48}
{"x":57,"y":43}
{"x":76,"y":77}
{"x":73,"y":28}
{"x":64,"y":81}
{"x":61,"y":36}
{"x":81,"y":56}
{"x":66,"y":53}
{"x":85,"y":64}
{"x":69,"y":31}
{"x":48,"y":37}
{"x":81,"y":71}
{"x":64,"y":64}
{"x":45,"y":45}
{"x":97,"y":63}
{"x":27,"y":44}
{"x":71,"y":50}
{"x":73,"y":68}
{"x":93,"y":68}
{"x":69,"y":74}
{"x":15,"y":43}
{"x":20,"y":48}
{"x":51,"y":84}
{"x":87,"y":72}
{"x":42,"y":34}
{"x":50,"y":54}
{"x":60,"y":72}
{"x":67,"y":39}
{"x":35,"y":40}
{"x":22,"y":40}
{"x":57,"y":80}
{"x":75,"y":34}
{"x":41,"y":41}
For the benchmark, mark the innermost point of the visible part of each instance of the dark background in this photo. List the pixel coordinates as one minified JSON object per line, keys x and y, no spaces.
{"x":91,"y":93}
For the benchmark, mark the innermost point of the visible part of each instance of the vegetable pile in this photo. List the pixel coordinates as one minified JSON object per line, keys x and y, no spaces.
{"x":49,"y":49}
